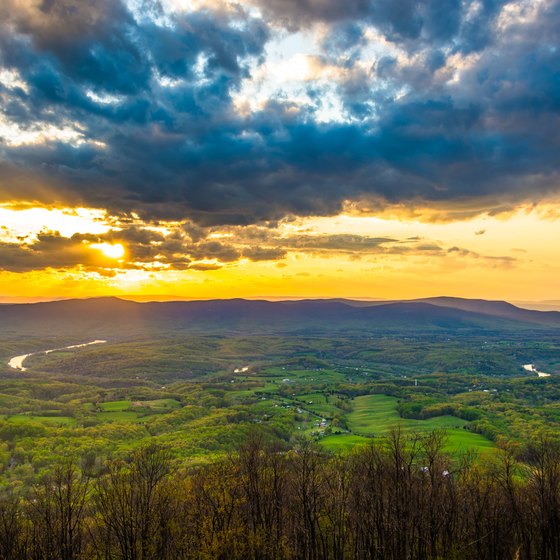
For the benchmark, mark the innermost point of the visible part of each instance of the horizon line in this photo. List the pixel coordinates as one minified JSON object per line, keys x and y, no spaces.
{"x":6,"y":300}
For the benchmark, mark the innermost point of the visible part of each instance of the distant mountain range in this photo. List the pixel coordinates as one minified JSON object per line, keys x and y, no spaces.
{"x":497,"y":309}
{"x":109,"y":316}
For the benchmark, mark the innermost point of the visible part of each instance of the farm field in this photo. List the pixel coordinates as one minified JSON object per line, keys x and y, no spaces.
{"x":47,"y":420}
{"x":377,"y":415}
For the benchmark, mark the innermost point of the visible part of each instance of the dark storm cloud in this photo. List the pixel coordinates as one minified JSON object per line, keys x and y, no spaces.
{"x":156,"y":132}
{"x":468,"y":24}
{"x":297,"y":13}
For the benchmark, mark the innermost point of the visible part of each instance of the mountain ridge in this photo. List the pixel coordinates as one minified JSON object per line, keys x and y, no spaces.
{"x":102,"y":316}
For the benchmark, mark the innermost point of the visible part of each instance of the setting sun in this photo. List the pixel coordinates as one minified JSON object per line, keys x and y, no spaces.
{"x":115,"y":251}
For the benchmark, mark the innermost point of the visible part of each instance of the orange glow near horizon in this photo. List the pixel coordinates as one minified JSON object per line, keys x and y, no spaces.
{"x":513,"y":258}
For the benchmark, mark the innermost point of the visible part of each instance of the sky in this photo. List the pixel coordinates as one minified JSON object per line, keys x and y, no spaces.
{"x":280,"y":148}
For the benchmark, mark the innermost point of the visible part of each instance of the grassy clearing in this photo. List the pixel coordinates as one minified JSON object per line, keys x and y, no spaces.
{"x":157,"y":404}
{"x":375,"y":415}
{"x":462,"y":440}
{"x":342,"y":442}
{"x":320,"y":403}
{"x":120,"y":416}
{"x":50,"y":420}
{"x":115,"y":406}
{"x":134,"y":411}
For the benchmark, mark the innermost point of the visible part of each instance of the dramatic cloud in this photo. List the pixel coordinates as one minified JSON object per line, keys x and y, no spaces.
{"x":175,"y":115}
{"x":174,"y":249}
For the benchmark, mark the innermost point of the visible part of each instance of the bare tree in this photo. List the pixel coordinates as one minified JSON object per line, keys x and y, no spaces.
{"x":133,"y":506}
{"x":57,"y":513}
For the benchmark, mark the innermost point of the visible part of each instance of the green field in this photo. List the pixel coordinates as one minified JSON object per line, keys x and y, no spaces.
{"x":50,"y":420}
{"x":376,"y":415}
{"x":319,"y":403}
{"x":134,"y":411}
{"x":115,"y":406}
{"x":156,"y":404}
{"x":119,"y":416}
{"x":342,"y":442}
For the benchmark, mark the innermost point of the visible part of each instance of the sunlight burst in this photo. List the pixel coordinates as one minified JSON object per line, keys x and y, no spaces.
{"x":115,"y":251}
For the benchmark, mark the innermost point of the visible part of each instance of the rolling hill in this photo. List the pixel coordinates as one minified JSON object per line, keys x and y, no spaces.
{"x":113,"y":316}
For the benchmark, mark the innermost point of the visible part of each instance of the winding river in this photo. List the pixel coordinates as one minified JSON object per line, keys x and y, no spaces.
{"x":17,"y":361}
